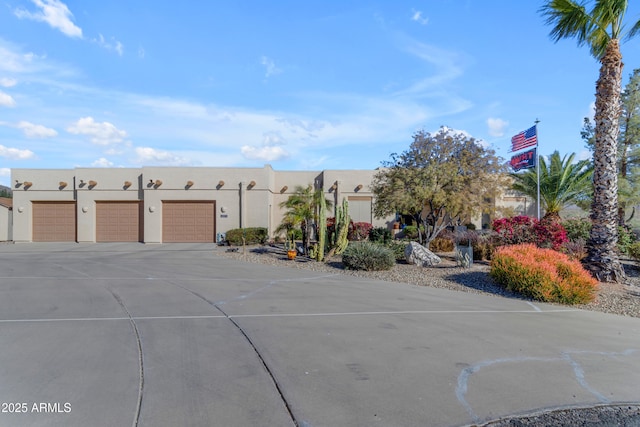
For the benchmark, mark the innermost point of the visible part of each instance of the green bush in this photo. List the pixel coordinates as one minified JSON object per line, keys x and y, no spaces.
{"x":397,"y":247}
{"x":542,"y":274}
{"x":368,"y":256}
{"x":626,"y":238}
{"x":252,"y":235}
{"x":634,"y":251}
{"x":380,"y":235}
{"x":577,"y":228}
{"x":410,"y":232}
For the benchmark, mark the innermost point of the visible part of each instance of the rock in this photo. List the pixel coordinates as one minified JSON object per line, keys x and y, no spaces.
{"x":417,"y":254}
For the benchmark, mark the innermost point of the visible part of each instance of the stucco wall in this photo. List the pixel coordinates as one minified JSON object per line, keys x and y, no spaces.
{"x":5,"y":224}
{"x":245,"y":197}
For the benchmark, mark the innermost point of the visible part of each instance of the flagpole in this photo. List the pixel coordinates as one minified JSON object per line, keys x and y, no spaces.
{"x":538,"y":164}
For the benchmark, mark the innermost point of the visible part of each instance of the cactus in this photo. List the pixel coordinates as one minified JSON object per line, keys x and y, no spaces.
{"x":342,"y":227}
{"x":322,"y":229}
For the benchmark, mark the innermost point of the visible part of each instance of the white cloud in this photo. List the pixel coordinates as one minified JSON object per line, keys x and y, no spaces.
{"x":270,"y":67}
{"x":6,"y":82}
{"x":101,"y":133}
{"x":15,"y":153}
{"x":496,"y":126}
{"x":265,"y":153}
{"x":271,"y":149}
{"x":36,"y":131}
{"x":6,"y":100}
{"x":417,"y":17}
{"x":5,"y":172}
{"x":113,"y":44}
{"x":102,"y":163}
{"x":151,"y":156}
{"x":55,"y":13}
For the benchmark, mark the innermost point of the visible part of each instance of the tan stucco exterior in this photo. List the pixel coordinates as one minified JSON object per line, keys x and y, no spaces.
{"x":244,"y":197}
{"x":6,"y":219}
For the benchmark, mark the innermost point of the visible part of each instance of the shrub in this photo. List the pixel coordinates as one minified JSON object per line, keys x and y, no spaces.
{"x":634,"y":251}
{"x":368,"y":256}
{"x":252,"y":235}
{"x":550,"y":234}
{"x":577,"y":228}
{"x":514,"y":230}
{"x":575,"y":249}
{"x":410,"y":232}
{"x":380,"y":235}
{"x":581,"y":229}
{"x":542,"y":274}
{"x":546,"y":233}
{"x":441,"y":244}
{"x":625,"y":239}
{"x":360,"y":231}
{"x":397,"y":247}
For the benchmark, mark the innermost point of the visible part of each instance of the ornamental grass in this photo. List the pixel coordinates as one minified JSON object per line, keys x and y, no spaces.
{"x":542,"y":274}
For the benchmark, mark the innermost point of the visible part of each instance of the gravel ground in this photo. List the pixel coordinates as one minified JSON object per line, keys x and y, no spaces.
{"x":612,"y":298}
{"x":621,"y":299}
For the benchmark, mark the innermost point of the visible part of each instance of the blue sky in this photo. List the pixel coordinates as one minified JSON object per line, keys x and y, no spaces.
{"x":299,"y":85}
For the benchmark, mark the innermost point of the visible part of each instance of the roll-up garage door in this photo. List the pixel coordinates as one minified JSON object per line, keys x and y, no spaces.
{"x":188,"y":221}
{"x":118,"y":221}
{"x":54,"y":221}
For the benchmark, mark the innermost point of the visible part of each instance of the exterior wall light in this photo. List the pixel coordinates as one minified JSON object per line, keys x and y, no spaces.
{"x":27,"y":184}
{"x":152,"y":209}
{"x":283,"y":189}
{"x":158,"y":183}
{"x":62,"y":185}
{"x":189,"y":184}
{"x":85,"y":209}
{"x":92,"y":184}
{"x":251,"y":185}
{"x":126,"y":185}
{"x":358,"y":188}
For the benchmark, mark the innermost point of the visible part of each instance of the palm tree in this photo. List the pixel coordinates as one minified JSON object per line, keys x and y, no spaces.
{"x":601,"y":29}
{"x":562,"y":183}
{"x":303,"y":209}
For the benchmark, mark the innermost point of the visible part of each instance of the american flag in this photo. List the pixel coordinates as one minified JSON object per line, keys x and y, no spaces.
{"x":525,"y":139}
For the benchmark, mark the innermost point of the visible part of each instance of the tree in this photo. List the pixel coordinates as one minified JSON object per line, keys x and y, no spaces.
{"x":628,"y":147}
{"x":562,"y":183}
{"x":303,"y":210}
{"x":601,"y":29}
{"x":440,"y":181}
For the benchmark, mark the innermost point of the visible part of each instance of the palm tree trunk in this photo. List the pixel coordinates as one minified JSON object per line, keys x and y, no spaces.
{"x":602,"y":259}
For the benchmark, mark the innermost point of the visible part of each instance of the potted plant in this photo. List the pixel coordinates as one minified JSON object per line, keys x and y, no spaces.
{"x":290,"y":246}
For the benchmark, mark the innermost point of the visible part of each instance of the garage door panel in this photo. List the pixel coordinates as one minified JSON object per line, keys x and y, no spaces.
{"x":118,"y":221}
{"x":54,"y":222}
{"x":188,"y":221}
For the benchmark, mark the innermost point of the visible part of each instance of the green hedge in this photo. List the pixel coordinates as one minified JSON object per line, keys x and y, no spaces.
{"x":253,"y":236}
{"x":368,"y":256}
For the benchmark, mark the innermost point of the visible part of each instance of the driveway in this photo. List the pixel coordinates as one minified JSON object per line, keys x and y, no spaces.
{"x":174,"y":335}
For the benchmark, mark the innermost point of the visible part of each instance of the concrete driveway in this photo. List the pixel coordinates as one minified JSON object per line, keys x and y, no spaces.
{"x":173,"y":335}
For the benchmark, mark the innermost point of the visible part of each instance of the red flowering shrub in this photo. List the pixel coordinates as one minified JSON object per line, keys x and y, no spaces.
{"x":546,"y":233}
{"x":542,"y":274}
{"x":359,"y":230}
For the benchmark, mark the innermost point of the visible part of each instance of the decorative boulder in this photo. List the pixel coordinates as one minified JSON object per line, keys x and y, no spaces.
{"x":417,"y":254}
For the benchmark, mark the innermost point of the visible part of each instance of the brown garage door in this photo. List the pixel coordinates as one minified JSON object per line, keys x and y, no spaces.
{"x":187,"y":221}
{"x":54,"y":221}
{"x":118,"y":221}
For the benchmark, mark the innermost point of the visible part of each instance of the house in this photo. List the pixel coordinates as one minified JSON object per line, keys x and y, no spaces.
{"x":169,"y":204}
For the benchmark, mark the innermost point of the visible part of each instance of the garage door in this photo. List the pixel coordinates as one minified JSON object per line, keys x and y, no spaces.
{"x":118,"y":221}
{"x":54,"y":221}
{"x":187,"y":221}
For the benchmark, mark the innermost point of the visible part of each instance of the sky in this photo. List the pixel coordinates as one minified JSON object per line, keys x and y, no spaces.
{"x":298,"y":85}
